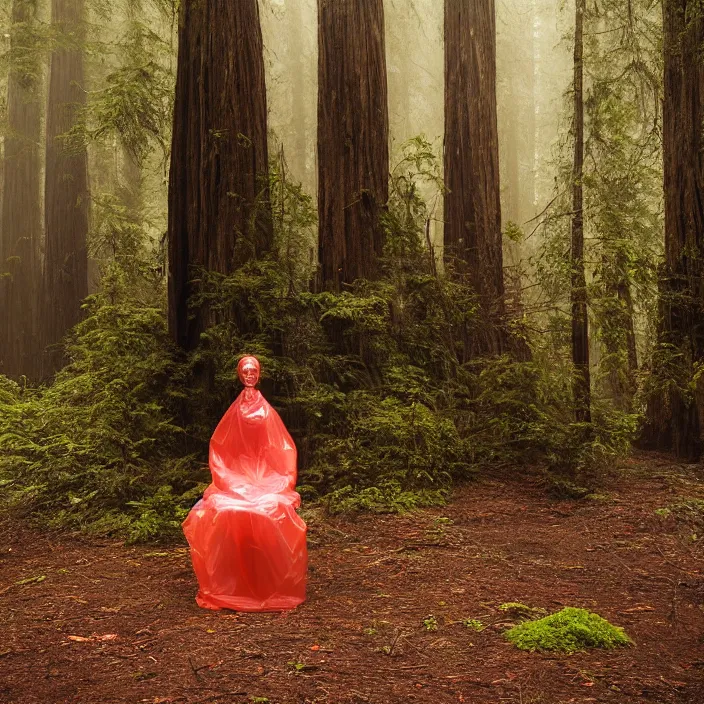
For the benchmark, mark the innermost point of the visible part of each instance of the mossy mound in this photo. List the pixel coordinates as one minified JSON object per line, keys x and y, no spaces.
{"x":568,"y":631}
{"x":516,"y":610}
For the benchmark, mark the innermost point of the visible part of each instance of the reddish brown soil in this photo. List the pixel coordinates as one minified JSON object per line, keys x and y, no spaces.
{"x":373,"y":581}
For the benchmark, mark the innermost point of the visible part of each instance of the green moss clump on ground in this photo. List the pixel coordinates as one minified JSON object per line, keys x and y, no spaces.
{"x":568,"y":631}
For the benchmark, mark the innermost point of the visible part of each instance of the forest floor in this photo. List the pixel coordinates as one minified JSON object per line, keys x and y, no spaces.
{"x":92,"y":622}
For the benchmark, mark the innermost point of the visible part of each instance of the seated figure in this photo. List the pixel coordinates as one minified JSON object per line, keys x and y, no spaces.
{"x":248,"y":544}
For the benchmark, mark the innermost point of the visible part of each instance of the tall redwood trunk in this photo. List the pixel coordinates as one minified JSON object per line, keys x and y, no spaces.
{"x":65,"y":280}
{"x":353,"y":132}
{"x":219,"y":212}
{"x":473,"y":242}
{"x":674,"y":420}
{"x":20,"y":223}
{"x":581,"y":383}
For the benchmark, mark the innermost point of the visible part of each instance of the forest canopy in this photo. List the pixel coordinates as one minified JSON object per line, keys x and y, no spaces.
{"x":458,"y":235}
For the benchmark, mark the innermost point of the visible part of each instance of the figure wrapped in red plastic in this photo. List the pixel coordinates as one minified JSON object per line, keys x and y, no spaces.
{"x":248,"y":544}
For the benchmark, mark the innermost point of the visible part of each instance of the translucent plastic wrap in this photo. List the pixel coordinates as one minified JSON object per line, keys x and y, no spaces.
{"x":248,"y":544}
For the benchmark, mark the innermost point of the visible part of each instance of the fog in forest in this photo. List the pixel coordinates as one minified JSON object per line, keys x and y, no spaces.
{"x":117,"y":65}
{"x":533,"y":73}
{"x":470,"y":228}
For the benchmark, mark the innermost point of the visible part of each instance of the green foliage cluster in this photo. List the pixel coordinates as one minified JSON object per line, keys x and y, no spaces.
{"x":474,"y":624}
{"x":688,"y":511}
{"x":99,"y":449}
{"x":373,"y":383}
{"x":568,"y":631}
{"x":623,"y":203}
{"x":430,"y":623}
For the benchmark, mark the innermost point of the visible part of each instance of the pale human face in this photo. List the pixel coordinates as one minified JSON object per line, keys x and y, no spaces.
{"x":249,"y":375}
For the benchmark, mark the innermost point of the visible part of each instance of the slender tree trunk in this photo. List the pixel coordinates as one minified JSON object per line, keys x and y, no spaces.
{"x":129,"y":176}
{"x":20,"y":224}
{"x":511,"y":206}
{"x":399,"y":21}
{"x":299,"y":106}
{"x":626,"y":298}
{"x":512,"y":183}
{"x":674,"y":417}
{"x":473,"y":242}
{"x":528,"y":121}
{"x":578,"y":292}
{"x":353,"y":130}
{"x":219,"y":210}
{"x":65,"y":281}
{"x":130,"y":183}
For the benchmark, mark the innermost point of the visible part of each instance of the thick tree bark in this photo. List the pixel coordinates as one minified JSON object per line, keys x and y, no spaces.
{"x":674,"y":419}
{"x":473,"y":242}
{"x":65,"y":280}
{"x":581,"y":384}
{"x":219,"y":210}
{"x":20,"y":224}
{"x":353,"y":132}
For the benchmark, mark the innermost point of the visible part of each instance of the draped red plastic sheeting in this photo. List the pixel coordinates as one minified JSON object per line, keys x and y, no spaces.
{"x":248,"y":544}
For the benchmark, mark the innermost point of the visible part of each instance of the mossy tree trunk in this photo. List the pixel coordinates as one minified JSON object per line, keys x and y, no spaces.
{"x":473,"y":240}
{"x":219,"y":210}
{"x":20,"y":224}
{"x":353,"y":134}
{"x":65,"y":280}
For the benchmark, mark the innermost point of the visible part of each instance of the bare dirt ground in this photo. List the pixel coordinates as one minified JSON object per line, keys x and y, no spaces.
{"x":86,"y":622}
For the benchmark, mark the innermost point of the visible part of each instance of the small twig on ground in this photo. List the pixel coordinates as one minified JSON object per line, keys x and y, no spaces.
{"x":673,"y":609}
{"x":393,"y":644}
{"x":662,"y":554}
{"x":194,"y":670}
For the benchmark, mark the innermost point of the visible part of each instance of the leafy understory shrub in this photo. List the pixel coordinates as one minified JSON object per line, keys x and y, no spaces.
{"x":430,"y":623}
{"x":100,"y":449}
{"x":568,"y":631}
{"x":687,"y":511}
{"x":376,"y":384}
{"x":474,"y":624}
{"x":393,"y":456}
{"x":388,"y":497}
{"x":562,"y":488}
